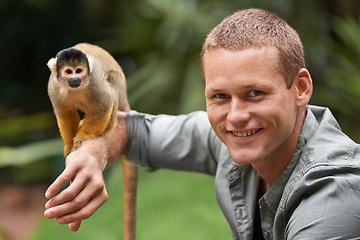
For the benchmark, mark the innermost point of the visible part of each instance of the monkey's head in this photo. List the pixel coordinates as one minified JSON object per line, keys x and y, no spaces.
{"x":71,"y":67}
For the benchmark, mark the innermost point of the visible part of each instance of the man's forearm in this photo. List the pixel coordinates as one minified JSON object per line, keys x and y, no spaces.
{"x":183,"y":142}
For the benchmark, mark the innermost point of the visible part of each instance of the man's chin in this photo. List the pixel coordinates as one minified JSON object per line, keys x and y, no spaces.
{"x":244,"y":156}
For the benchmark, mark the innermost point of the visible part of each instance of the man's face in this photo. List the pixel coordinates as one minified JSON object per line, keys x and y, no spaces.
{"x":248,"y":104}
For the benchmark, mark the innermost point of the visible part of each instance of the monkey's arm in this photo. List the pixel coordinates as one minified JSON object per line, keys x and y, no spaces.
{"x":96,"y":124}
{"x":68,"y":122}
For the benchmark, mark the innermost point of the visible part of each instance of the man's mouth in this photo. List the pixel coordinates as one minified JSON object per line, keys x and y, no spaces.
{"x":245,"y":133}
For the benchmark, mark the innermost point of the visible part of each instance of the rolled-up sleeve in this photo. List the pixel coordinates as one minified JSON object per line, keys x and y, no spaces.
{"x":184,"y":142}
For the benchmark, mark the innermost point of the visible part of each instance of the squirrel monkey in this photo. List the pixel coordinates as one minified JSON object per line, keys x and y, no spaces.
{"x":87,"y":78}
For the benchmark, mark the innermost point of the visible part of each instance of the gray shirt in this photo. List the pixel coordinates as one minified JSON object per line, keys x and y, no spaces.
{"x":316,"y":197}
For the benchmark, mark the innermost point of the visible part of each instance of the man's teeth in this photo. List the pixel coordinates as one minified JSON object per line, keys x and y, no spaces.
{"x":245,"y":133}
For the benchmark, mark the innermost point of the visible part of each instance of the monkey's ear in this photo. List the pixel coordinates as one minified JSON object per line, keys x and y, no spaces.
{"x":52,"y":65}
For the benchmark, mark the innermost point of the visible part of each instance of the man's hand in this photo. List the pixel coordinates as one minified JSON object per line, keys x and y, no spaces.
{"x":86,"y":193}
{"x":84,"y":170}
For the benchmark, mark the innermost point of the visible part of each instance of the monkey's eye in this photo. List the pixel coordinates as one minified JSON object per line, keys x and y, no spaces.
{"x":79,"y":70}
{"x":68,"y":71}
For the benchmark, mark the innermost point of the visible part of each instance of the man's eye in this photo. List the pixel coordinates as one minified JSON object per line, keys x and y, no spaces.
{"x":255,"y":93}
{"x":221,"y":95}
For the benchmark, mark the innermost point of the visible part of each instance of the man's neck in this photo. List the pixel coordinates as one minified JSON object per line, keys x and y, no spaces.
{"x":271,"y":168}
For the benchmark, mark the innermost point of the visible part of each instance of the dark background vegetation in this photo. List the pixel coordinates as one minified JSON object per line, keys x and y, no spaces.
{"x":157,"y":43}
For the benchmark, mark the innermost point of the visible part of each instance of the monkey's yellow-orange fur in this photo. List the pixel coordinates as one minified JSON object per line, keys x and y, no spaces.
{"x":92,"y":81}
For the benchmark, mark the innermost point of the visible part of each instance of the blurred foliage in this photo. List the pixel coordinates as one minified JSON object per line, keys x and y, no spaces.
{"x":30,"y":163}
{"x":3,"y":234}
{"x":25,"y":128}
{"x":344,"y":75}
{"x":29,"y":153}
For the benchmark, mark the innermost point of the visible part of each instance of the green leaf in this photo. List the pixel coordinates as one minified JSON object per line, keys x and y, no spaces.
{"x":33,"y":152}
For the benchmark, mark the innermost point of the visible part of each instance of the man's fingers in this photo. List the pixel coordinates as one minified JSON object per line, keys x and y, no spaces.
{"x":86,"y":193}
{"x":75,"y":226}
{"x":74,"y":199}
{"x":84,"y":212}
{"x":62,"y":180}
{"x":67,"y":195}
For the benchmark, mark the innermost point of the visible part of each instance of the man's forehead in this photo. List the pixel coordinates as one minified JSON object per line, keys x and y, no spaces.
{"x":269,"y":49}
{"x":248,"y":69}
{"x":221,"y":58}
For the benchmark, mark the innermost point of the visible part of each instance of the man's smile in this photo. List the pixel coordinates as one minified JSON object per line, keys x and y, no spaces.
{"x":246,"y":133}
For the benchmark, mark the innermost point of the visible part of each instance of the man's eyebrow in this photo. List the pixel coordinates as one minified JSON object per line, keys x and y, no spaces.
{"x":250,"y":86}
{"x":222,"y":89}
{"x":214,"y":89}
{"x":255,"y":86}
{"x":245,"y":86}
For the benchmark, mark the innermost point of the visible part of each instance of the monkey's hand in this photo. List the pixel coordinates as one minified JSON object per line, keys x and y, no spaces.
{"x":93,"y":126}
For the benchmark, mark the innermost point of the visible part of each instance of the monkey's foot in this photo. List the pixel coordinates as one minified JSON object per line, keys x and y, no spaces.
{"x":77,"y":144}
{"x":79,"y":139}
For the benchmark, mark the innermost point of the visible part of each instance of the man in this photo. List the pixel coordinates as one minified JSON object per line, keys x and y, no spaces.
{"x":283,"y":170}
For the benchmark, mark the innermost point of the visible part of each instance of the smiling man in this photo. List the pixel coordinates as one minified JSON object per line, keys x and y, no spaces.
{"x":283,"y":169}
{"x":251,"y":109}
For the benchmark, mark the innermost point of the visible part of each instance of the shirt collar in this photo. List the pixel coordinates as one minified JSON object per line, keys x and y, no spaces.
{"x":273,"y":196}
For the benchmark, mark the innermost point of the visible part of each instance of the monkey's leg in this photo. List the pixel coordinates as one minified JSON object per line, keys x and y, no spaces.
{"x":68,"y":123}
{"x":130,"y":184}
{"x":93,"y":125}
{"x":112,"y":120}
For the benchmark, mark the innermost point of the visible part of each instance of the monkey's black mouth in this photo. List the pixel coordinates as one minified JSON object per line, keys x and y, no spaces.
{"x":74,"y":82}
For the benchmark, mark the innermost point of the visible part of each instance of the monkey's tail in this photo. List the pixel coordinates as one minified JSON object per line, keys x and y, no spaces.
{"x":130,"y":184}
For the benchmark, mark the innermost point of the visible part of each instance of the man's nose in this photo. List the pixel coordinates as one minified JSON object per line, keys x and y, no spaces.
{"x":238,"y":112}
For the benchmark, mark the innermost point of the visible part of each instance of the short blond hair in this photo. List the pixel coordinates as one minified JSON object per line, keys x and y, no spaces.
{"x":256,"y":28}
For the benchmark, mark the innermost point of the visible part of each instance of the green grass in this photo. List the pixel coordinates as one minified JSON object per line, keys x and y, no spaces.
{"x":171,"y":205}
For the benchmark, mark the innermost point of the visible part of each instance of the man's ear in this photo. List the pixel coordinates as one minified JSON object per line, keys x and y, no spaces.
{"x":304,"y":87}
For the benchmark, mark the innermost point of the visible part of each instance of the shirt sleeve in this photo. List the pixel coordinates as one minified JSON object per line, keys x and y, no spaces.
{"x":184,"y":142}
{"x":327,"y":205}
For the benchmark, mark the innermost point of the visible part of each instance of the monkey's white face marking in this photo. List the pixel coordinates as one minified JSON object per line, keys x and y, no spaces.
{"x":68,"y":72}
{"x":74,"y":76}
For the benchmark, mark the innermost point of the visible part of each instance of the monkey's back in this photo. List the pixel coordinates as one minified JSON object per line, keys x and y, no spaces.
{"x":101,"y":54}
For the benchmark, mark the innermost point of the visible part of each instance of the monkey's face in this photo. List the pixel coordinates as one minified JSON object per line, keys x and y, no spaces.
{"x":71,"y":67}
{"x":74,"y":75}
